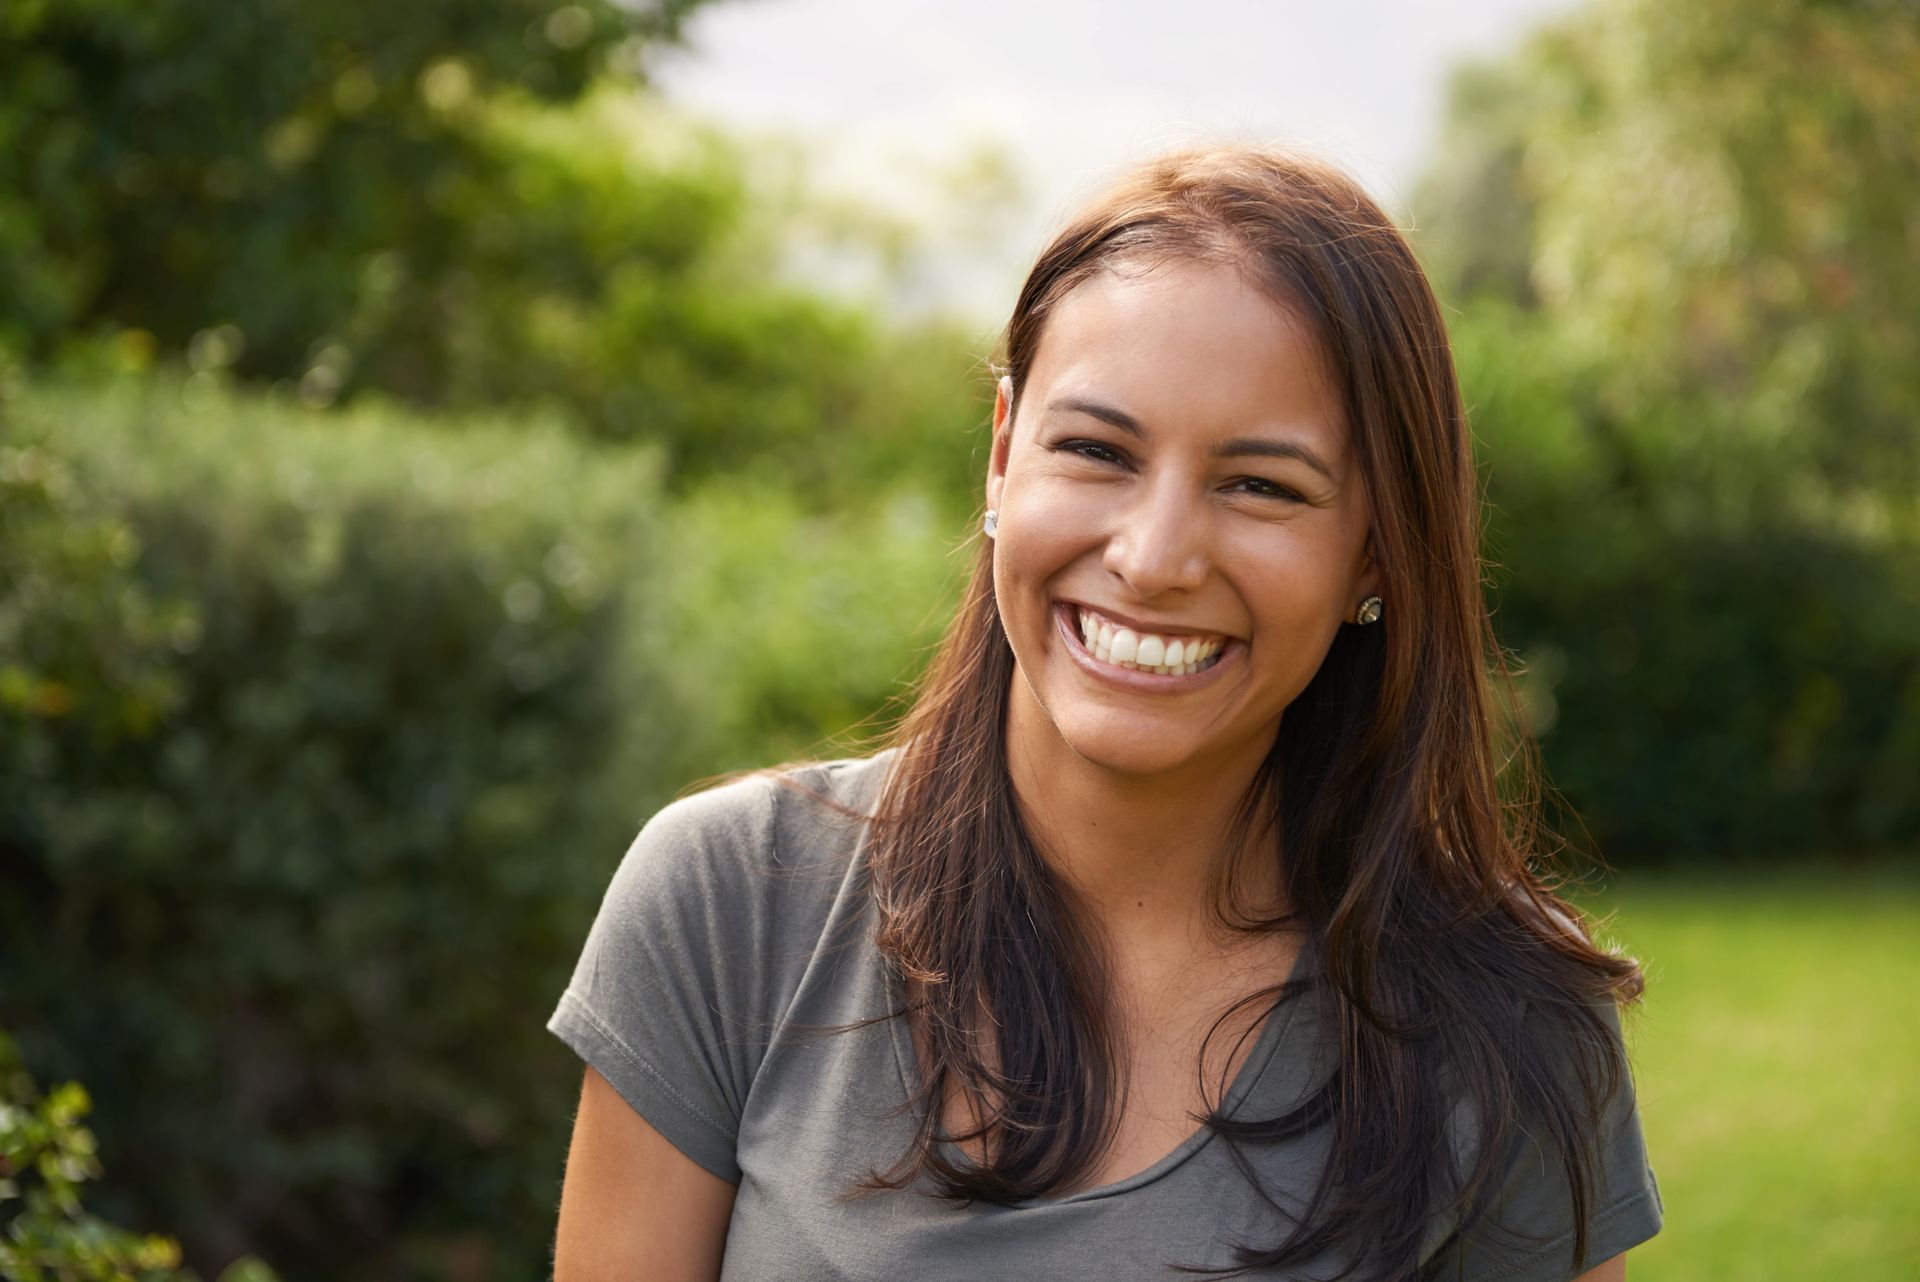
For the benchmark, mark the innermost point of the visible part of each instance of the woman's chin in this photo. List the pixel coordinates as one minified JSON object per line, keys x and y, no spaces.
{"x":1127,"y":745}
{"x":1123,"y":733}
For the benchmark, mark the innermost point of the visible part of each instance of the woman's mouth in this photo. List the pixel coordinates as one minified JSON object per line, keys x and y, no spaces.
{"x":1141,"y":660}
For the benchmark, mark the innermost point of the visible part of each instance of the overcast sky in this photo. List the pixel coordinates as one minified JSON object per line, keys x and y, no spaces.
{"x":885,"y":92}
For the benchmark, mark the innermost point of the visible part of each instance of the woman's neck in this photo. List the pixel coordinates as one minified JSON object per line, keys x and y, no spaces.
{"x":1143,"y":852}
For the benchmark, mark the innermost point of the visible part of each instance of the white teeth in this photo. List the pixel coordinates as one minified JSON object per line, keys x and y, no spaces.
{"x":1125,"y":648}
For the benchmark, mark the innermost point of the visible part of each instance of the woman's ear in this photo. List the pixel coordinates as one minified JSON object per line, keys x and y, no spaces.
{"x":1002,"y":439}
{"x":1369,"y":583}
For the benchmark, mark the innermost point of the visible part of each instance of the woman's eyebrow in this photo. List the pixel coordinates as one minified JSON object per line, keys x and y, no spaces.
{"x":1239,"y":447}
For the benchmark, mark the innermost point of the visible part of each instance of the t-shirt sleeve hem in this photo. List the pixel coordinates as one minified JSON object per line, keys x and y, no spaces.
{"x":1623,"y":1225}
{"x":644,"y":1087}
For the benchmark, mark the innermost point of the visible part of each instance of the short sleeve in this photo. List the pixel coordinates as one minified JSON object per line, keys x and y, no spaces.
{"x":668,"y":999}
{"x":1525,"y":1231}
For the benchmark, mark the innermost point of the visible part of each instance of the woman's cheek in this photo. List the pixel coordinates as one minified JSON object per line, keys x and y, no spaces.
{"x":1061,"y":514}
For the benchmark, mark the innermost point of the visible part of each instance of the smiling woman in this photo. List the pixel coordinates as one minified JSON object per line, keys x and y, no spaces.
{"x":1127,"y":493}
{"x":1186,"y":922}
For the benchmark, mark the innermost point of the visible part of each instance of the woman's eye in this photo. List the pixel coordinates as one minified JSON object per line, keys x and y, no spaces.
{"x":1100,"y":454}
{"x":1259,"y":486}
{"x":1270,"y":489}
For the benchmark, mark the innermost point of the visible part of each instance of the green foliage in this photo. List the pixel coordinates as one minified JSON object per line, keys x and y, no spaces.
{"x":82,"y":640}
{"x":426,"y":201}
{"x":1710,"y":204}
{"x":1708,"y":678}
{"x":324,"y":733}
{"x":1680,"y":241}
{"x":599,"y":260}
{"x":786,"y":629}
{"x":45,"y":1156}
{"x":390,"y":744}
{"x":163,"y":163}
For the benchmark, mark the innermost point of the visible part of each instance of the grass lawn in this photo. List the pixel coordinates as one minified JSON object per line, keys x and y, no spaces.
{"x":1777,"y":1057}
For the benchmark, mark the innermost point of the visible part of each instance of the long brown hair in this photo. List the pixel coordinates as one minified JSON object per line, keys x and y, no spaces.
{"x":1405,"y":793}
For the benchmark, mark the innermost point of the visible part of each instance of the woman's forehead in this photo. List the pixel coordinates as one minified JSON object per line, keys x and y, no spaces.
{"x":1192,"y":346}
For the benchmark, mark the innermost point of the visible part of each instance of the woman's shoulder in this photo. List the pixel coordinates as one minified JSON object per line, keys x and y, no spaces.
{"x":838,"y":793}
{"x":749,"y":834}
{"x":748,"y":873}
{"x":803,"y":799}
{"x":710,"y":925}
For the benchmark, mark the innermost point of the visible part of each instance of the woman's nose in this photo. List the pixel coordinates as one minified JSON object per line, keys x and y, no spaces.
{"x":1160,"y":544}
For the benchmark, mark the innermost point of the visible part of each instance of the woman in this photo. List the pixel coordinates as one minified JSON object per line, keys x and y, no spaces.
{"x":1181,"y":925}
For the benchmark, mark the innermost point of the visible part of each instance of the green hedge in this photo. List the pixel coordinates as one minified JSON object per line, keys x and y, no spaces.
{"x":46,"y":1154}
{"x":1720,"y":665}
{"x":320,"y":736}
{"x":300,"y":834}
{"x":458,"y":204}
{"x":1680,"y":242}
{"x":176,"y":167}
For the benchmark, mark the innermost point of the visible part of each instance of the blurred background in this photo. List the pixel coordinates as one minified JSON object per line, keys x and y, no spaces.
{"x":434,"y":434}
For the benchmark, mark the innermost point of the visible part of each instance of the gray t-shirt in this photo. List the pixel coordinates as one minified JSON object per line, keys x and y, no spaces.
{"x":737,"y":919}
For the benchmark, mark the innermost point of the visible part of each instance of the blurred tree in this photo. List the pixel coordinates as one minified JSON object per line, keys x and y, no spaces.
{"x":1713,"y":205}
{"x":307,"y":721}
{"x":161,"y":165}
{"x":458,"y":203}
{"x":304,"y":724}
{"x":1683,"y":247}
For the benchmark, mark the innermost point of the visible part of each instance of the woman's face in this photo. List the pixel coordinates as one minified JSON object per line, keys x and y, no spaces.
{"x":1164,"y":470}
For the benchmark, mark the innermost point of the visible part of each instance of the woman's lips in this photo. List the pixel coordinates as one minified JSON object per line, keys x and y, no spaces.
{"x":1134,"y":678}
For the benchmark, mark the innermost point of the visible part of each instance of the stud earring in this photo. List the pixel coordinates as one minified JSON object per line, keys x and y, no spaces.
{"x":990,"y":522}
{"x":1369,"y":611}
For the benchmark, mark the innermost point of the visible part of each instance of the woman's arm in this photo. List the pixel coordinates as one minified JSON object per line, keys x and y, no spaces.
{"x":633,"y":1205}
{"x":1614,"y":1270}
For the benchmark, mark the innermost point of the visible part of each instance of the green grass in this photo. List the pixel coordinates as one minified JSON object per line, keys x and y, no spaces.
{"x":1775,"y":1059}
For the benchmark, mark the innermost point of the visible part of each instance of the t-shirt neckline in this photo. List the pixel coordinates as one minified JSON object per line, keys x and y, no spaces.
{"x":1273,"y":1029}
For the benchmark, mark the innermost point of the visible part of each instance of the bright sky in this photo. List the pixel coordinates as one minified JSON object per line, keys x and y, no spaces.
{"x":888,"y":96}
